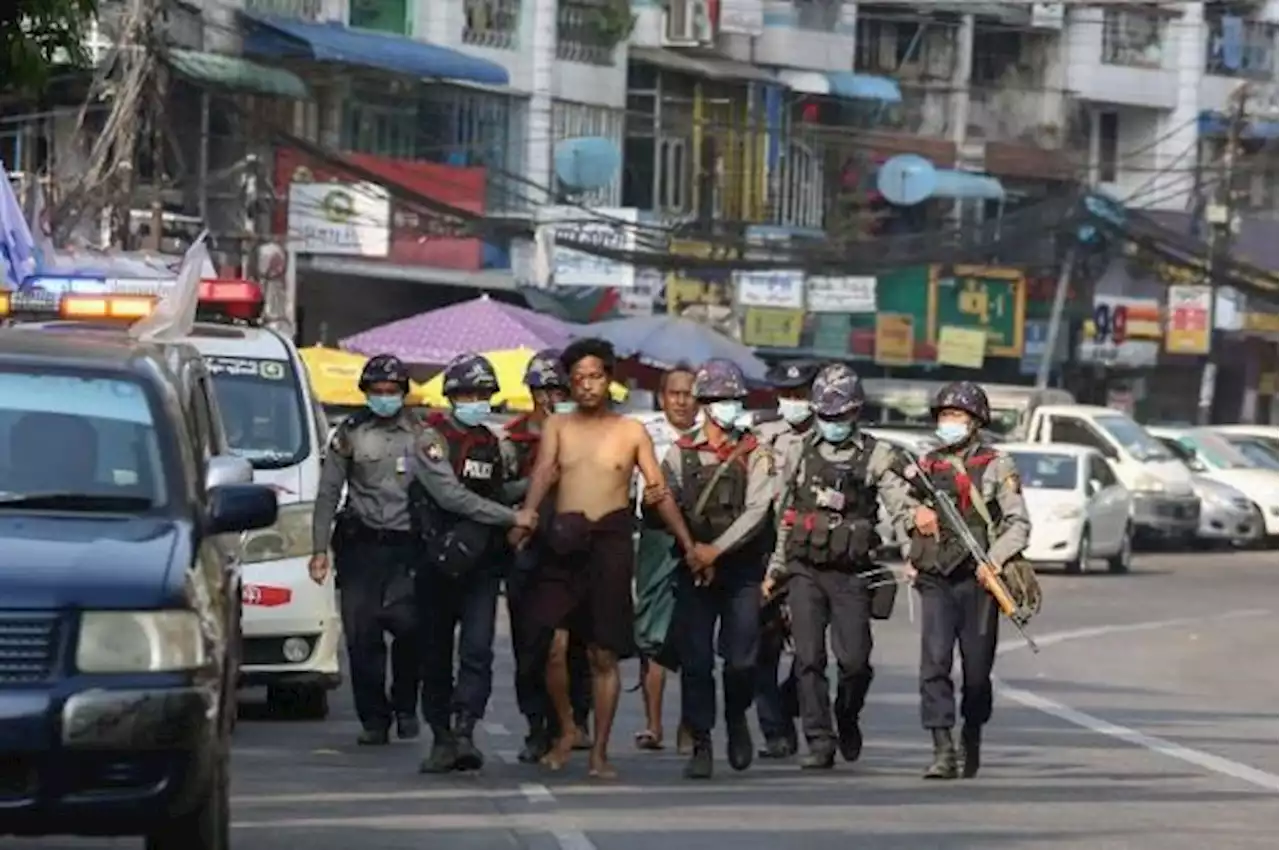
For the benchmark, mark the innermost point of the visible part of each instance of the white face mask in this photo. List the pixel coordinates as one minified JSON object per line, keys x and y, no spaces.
{"x":794,"y":411}
{"x":725,"y":413}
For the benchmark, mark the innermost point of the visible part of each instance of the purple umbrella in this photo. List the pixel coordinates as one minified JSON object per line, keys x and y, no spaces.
{"x":440,"y":335}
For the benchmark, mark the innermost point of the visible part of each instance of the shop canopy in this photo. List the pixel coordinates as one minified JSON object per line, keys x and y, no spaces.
{"x":665,"y":341}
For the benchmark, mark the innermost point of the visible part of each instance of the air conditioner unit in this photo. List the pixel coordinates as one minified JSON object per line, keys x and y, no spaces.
{"x":687,"y":23}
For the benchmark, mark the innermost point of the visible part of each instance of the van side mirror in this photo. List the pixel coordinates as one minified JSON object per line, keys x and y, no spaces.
{"x":241,"y":507}
{"x":1109,"y":452}
{"x":1095,"y":486}
{"x":227,"y":469}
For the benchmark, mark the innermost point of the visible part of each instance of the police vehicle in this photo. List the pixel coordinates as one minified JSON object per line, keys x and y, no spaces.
{"x":292,"y":628}
{"x":121,"y":508}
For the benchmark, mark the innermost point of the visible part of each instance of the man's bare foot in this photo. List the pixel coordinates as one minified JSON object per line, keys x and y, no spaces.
{"x":559,"y":754}
{"x":582,"y":739}
{"x":598,"y":767}
{"x":649,"y":739}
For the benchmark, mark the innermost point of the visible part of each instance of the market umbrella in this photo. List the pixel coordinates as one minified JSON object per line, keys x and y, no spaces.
{"x":335,"y":377}
{"x":481,"y":324}
{"x":510,"y":366}
{"x":664,"y":341}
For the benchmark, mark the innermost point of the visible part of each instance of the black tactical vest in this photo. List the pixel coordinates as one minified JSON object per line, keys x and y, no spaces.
{"x":476,"y":457}
{"x":949,"y":551}
{"x":728,"y":496}
{"x":835,"y":510}
{"x":526,"y":441}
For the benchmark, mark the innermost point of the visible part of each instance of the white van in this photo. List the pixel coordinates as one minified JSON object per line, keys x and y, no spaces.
{"x":1164,"y":501}
{"x":895,"y":401}
{"x":292,"y":629}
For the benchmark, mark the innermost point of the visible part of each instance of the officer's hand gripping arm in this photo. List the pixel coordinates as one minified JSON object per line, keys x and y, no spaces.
{"x":1014,"y":530}
{"x":759,"y":498}
{"x":333,"y":474}
{"x":434,"y":472}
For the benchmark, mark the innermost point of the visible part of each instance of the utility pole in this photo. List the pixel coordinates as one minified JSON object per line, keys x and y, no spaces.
{"x":1055,"y":317}
{"x":1220,"y":216}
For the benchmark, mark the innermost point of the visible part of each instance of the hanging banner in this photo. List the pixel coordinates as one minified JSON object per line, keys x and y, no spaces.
{"x":895,"y":339}
{"x":775,"y":289}
{"x":964,"y":347}
{"x":1188,"y":329}
{"x":841,"y":295}
{"x":763,"y":327}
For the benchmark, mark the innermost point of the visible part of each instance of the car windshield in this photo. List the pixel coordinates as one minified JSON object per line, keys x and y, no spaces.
{"x":263,"y":410}
{"x":1184,"y":454}
{"x":1256,"y":451}
{"x":1136,"y":440}
{"x":1217,"y":452}
{"x":1046,"y":471}
{"x":80,"y":441}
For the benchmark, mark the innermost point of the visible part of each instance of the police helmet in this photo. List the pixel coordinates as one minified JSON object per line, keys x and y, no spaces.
{"x":384,"y":369}
{"x":545,"y":372}
{"x":719,"y":379}
{"x":792,"y":374}
{"x":966,"y":396}
{"x":470,"y":373}
{"x":837,"y":391}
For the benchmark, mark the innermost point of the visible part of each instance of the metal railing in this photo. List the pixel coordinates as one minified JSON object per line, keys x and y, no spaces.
{"x":311,"y":10}
{"x":1253,"y":58}
{"x":1133,"y":39}
{"x":491,"y":23}
{"x":578,"y":36}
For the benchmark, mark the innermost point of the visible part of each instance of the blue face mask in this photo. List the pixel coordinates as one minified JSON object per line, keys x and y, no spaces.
{"x":951,"y":433}
{"x":725,"y":413}
{"x":385,"y":406}
{"x":563,"y":407}
{"x":835,"y":432}
{"x":794,"y":411}
{"x":471,"y":413}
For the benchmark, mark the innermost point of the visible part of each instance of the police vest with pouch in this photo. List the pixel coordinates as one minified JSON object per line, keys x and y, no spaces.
{"x":526,"y":441}
{"x":950,"y":551}
{"x":833,"y":516}
{"x":476,"y":457}
{"x":728,"y":495}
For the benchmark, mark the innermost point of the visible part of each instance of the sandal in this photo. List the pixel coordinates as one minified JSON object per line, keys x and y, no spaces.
{"x":647,"y":740}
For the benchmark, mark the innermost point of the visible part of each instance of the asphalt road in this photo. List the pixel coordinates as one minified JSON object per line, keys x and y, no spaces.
{"x":1149,"y":720}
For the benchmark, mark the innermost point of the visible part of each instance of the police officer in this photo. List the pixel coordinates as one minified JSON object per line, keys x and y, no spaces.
{"x":955,"y":609}
{"x":724,"y":482}
{"x":831,"y":481}
{"x":374,"y":548}
{"x":793,"y":380}
{"x":549,"y":386}
{"x":460,"y":510}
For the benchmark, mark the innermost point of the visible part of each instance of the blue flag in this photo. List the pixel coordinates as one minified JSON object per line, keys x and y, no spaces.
{"x":17,"y":248}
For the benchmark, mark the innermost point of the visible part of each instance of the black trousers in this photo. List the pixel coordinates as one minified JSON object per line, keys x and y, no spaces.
{"x":839,"y":601}
{"x":956,"y":610}
{"x":457,"y":614}
{"x":532,"y":647}
{"x":732,"y":602}
{"x":775,"y":708}
{"x":371,"y":573}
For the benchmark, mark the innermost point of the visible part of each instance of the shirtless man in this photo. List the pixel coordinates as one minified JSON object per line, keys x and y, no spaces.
{"x":590,"y":456}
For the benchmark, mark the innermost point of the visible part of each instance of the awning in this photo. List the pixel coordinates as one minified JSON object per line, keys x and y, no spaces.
{"x":1216,"y":124}
{"x":844,"y":84}
{"x":333,"y":42}
{"x":233,"y":72}
{"x":700,"y":65}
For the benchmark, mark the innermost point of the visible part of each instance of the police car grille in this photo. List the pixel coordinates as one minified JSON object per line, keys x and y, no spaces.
{"x":28,"y":645}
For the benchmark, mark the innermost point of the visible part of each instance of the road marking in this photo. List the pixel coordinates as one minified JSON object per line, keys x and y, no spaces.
{"x":1199,"y":758}
{"x":496,"y":729}
{"x":572,"y":839}
{"x":536,"y":793}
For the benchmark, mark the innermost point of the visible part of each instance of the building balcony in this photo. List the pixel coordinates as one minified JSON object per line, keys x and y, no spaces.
{"x":1123,"y":57}
{"x":589,"y":31}
{"x":491,"y":23}
{"x":1025,"y":133}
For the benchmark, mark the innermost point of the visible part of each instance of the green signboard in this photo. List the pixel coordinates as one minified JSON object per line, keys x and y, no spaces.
{"x":979,"y":298}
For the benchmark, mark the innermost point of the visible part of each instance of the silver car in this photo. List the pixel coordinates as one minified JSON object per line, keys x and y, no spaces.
{"x":1226,"y":514}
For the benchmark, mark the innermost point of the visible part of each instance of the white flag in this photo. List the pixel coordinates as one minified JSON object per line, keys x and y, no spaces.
{"x":175,"y":315}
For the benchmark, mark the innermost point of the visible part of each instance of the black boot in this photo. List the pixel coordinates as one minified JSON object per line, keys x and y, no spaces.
{"x":741,"y":747}
{"x":850,"y":739}
{"x":536,"y":743}
{"x":469,"y":758}
{"x":970,"y":750}
{"x":407,"y":727}
{"x":821,"y":755}
{"x":443,"y":757}
{"x":373,"y":737}
{"x":701,"y":762}
{"x":944,"y":756}
{"x":776,"y":748}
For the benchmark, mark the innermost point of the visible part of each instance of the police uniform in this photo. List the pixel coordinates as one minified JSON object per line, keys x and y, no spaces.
{"x":460,"y":493}
{"x":955,"y":609}
{"x":725,"y":493}
{"x":374,"y":556}
{"x":824,"y":548}
{"x":776,"y":705}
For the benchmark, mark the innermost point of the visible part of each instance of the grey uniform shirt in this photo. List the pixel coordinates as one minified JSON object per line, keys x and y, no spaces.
{"x":433,"y":467}
{"x":759,"y":496}
{"x":369,"y":455}
{"x":1000,"y":483}
{"x":893,"y":491}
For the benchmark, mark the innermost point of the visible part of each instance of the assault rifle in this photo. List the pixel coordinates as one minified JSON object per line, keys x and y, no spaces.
{"x":991,"y":581}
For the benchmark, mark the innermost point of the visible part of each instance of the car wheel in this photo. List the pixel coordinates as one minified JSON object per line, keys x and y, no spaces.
{"x":208,"y":825}
{"x":1120,"y":561}
{"x":300,"y":702}
{"x":1081,"y":563}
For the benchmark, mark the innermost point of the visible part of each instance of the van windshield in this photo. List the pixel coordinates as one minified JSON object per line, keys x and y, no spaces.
{"x":1135,"y":439}
{"x":263,"y":410}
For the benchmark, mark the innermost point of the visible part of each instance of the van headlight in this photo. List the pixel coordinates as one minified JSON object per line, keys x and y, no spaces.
{"x":139,"y":642}
{"x":290,"y":537}
{"x":1148,"y":484}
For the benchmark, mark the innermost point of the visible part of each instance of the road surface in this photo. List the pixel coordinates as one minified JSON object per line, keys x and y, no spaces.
{"x":1149,"y":720}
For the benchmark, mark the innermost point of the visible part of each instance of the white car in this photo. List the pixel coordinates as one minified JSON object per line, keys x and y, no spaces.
{"x":1217,"y":458}
{"x":1079,"y":509}
{"x":1268,"y":435}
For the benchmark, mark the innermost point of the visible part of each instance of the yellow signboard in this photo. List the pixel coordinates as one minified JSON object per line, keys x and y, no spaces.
{"x":1261,"y":323}
{"x":964,"y":347}
{"x":768,"y":327}
{"x":993,"y":300}
{"x":685,"y":291}
{"x":895,"y":339}
{"x":1188,"y":329}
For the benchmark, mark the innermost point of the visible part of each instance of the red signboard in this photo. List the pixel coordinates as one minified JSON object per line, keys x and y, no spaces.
{"x":417,"y":238}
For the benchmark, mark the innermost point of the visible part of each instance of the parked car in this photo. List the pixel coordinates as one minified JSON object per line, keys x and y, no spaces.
{"x":1226,"y":514}
{"x":1267,"y":435}
{"x":1080,"y":511}
{"x":1219,"y":459}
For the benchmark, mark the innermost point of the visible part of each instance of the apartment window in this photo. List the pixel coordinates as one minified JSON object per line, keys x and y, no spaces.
{"x":381,"y":15}
{"x":1239,"y":48}
{"x":571,"y":120}
{"x":381,"y":124}
{"x":1133,"y":38}
{"x":1108,"y":146}
{"x":820,"y":15}
{"x":491,"y":23}
{"x":309,"y":10}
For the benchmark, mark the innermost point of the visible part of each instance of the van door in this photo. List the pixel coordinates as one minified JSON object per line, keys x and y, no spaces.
{"x":1078,"y":431}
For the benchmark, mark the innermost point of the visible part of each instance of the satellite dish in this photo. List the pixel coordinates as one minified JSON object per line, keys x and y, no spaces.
{"x":587,"y":163}
{"x":907,"y":179}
